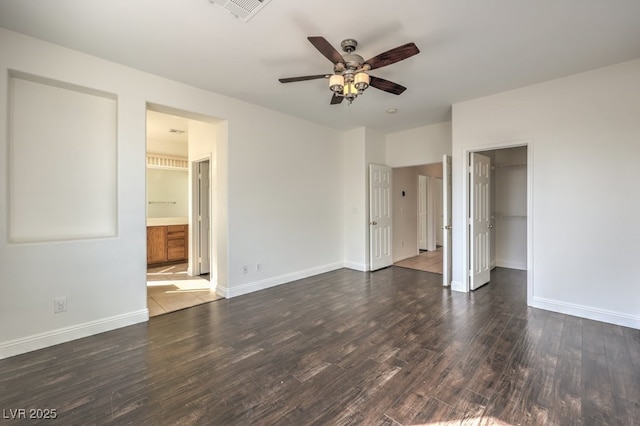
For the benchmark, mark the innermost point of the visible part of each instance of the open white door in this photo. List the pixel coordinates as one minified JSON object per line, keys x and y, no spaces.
{"x":422,"y":212}
{"x":479,"y":220}
{"x":380,"y":216}
{"x":446,"y":221}
{"x":204,"y":233}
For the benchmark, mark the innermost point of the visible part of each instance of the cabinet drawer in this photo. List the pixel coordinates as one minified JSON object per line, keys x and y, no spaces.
{"x":178,"y":242}
{"x":176,"y":231}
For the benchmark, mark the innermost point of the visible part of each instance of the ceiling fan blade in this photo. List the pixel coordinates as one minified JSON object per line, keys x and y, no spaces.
{"x":303,"y":78}
{"x":392,"y":56}
{"x":386,"y":85}
{"x":326,"y":49}
{"x":335,"y":99}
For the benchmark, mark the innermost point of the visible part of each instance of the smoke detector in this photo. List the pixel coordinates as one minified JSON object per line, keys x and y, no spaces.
{"x":241,"y":9}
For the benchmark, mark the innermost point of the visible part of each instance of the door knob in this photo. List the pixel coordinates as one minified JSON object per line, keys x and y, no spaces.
{"x":490,"y":226}
{"x":373,"y":222}
{"x":446,"y":227}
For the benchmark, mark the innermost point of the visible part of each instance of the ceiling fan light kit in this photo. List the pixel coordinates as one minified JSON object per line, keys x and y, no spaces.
{"x":350,"y":76}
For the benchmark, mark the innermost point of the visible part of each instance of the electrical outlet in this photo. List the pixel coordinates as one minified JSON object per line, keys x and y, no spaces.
{"x":59,"y":305}
{"x":245,"y":269}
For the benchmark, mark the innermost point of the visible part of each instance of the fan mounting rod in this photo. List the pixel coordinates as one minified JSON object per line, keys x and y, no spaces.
{"x":349,"y":45}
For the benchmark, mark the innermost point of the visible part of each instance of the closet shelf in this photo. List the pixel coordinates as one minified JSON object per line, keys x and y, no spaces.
{"x":509,"y":216}
{"x":167,"y":162}
{"x":506,"y":166}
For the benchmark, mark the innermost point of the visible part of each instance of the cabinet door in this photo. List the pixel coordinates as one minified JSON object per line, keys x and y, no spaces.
{"x":156,"y":244}
{"x":176,"y":249}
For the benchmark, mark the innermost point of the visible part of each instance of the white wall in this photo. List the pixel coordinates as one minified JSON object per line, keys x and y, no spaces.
{"x":158,"y":146}
{"x":405,"y":213}
{"x":202,"y":145}
{"x":167,"y":193}
{"x":583,"y":140}
{"x":285,"y":202}
{"x":62,"y":148}
{"x":360,"y":147}
{"x":356,"y":209}
{"x":276,"y":176}
{"x":423,"y":145}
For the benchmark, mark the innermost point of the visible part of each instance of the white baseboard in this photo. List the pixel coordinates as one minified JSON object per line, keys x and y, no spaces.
{"x":458,"y":286}
{"x":586,"y":312}
{"x":363,"y":267}
{"x":62,"y":335}
{"x":247,"y":288}
{"x":511,"y":265}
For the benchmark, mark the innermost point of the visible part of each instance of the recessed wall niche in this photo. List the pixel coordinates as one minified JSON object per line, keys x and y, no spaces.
{"x":62,"y":161}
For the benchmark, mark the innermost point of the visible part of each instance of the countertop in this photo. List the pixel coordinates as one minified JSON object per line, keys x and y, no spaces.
{"x":164,"y":221}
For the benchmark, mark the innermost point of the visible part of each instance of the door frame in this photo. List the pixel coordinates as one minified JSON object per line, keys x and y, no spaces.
{"x":447,"y":220}
{"x":462,"y":215}
{"x":423,"y":222}
{"x":194,"y":264}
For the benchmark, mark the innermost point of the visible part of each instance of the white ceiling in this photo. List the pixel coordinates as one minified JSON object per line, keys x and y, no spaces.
{"x":469,"y":48}
{"x":159,"y":126}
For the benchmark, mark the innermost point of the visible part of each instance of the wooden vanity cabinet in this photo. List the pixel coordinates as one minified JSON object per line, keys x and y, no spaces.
{"x":167,"y":244}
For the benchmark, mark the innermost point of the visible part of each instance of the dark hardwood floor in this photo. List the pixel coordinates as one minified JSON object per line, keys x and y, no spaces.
{"x":345,"y":347}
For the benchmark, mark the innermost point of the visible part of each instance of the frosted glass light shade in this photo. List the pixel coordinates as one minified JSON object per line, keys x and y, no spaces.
{"x":361,"y":80}
{"x":336,"y":83}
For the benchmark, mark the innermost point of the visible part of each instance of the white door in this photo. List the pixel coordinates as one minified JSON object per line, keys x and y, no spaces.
{"x":380,"y":216}
{"x":446,"y":220}
{"x":203,"y":217}
{"x":479,"y":221}
{"x":431,"y":214}
{"x":422,"y":212}
{"x":438,"y":210}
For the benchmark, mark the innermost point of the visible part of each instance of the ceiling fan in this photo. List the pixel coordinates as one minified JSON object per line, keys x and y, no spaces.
{"x":350,"y":71}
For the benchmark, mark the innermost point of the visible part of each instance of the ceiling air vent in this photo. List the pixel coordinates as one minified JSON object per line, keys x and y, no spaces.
{"x":242,"y":9}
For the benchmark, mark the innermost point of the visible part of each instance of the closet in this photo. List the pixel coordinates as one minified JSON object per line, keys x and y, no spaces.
{"x":509,"y":207}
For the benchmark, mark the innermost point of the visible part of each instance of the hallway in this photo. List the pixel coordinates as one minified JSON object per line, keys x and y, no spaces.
{"x":428,"y":261}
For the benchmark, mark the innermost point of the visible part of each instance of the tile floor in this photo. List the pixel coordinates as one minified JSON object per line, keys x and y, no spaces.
{"x":170,"y":289}
{"x":429,"y":261}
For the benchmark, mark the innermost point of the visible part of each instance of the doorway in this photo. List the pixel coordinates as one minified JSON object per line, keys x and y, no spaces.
{"x":179,"y":194}
{"x":508,"y":207}
{"x":417,"y":217}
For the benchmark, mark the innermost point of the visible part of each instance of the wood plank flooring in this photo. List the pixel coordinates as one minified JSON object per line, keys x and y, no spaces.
{"x":386,"y":348}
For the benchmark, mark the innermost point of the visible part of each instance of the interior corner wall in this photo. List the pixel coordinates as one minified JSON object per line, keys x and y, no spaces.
{"x":360,"y":147}
{"x":582,"y":133}
{"x":356,"y":209}
{"x":202,"y":142}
